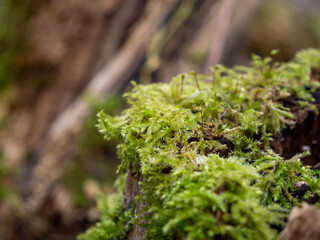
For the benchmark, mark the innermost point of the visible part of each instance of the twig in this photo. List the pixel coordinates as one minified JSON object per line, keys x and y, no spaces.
{"x":231,"y":26}
{"x":220,"y":35}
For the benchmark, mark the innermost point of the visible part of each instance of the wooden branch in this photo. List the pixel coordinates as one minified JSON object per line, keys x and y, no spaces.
{"x":222,"y":28}
{"x":231,"y":25}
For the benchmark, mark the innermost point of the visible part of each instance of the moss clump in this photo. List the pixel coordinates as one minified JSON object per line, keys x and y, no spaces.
{"x":203,"y":150}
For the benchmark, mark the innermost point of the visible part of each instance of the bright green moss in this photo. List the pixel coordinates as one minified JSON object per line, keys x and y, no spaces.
{"x":203,"y":150}
{"x":215,"y":198}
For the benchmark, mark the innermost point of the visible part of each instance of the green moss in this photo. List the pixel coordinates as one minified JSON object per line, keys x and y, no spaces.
{"x":203,"y":150}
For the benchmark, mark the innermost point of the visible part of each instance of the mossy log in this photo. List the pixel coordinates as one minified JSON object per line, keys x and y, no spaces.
{"x":216,"y":157}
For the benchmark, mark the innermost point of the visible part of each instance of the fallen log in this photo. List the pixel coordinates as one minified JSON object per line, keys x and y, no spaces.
{"x":199,"y":156}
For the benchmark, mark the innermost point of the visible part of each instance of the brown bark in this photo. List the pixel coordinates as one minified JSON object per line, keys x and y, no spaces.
{"x":303,"y":224}
{"x":304,"y":136}
{"x":131,"y":192}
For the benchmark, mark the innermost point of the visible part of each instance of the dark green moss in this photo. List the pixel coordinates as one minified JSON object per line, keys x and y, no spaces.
{"x":203,"y":149}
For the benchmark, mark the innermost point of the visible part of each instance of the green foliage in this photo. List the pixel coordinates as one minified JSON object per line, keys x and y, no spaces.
{"x":279,"y":177}
{"x":310,"y":57}
{"x":203,"y":150}
{"x":213,"y":199}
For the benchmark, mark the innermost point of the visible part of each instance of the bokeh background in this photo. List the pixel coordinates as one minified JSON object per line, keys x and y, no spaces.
{"x":62,"y":60}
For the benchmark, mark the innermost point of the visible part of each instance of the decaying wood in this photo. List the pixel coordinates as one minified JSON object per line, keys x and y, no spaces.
{"x":131,"y":191}
{"x":307,"y":129}
{"x":52,"y":155}
{"x":304,"y":223}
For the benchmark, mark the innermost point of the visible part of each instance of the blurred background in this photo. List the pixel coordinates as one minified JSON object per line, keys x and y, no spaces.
{"x":62,"y":60}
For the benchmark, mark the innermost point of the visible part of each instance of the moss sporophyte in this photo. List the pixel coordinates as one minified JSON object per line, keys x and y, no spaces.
{"x":203,"y":147}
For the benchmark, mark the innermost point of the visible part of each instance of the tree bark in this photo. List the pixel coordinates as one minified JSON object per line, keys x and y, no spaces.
{"x":132,"y":190}
{"x":303,"y":224}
